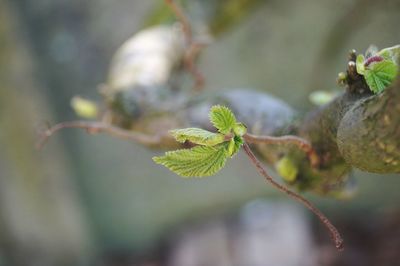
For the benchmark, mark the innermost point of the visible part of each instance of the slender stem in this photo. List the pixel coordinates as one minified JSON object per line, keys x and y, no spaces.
{"x":325,"y":221}
{"x":177,"y":10}
{"x":190,"y":57}
{"x":301,"y":143}
{"x":194,"y":47}
{"x":99,"y":127}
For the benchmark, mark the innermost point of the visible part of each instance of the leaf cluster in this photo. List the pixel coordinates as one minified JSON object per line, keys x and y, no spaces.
{"x":379,"y":68}
{"x":213,"y":148}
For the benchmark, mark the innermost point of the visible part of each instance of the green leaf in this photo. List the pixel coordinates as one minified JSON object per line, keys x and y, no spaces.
{"x":380,"y":75}
{"x":195,"y":162}
{"x":238,"y":142}
{"x":222,"y":118}
{"x":360,"y":64}
{"x":197,"y":136}
{"x":240,"y":129}
{"x":231,"y":147}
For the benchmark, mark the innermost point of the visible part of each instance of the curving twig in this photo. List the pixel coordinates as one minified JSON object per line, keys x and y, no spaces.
{"x":93,"y":127}
{"x":194,"y":47}
{"x":336,"y":237}
{"x":301,"y":143}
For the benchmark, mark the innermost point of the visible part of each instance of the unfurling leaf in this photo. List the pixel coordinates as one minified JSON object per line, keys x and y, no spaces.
{"x":197,"y":136}
{"x":222,"y":118}
{"x":195,"y":162}
{"x":380,"y":75}
{"x":235,"y":145}
{"x":360,"y":64}
{"x":379,"y":68}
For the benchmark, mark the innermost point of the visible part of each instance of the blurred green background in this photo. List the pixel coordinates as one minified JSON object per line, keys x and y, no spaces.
{"x":83,"y":196}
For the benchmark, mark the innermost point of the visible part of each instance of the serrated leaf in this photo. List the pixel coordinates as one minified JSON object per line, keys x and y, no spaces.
{"x":360,"y":64}
{"x":231,"y":147}
{"x":197,"y":136}
{"x":222,"y":118}
{"x":380,"y":75}
{"x":195,"y":162}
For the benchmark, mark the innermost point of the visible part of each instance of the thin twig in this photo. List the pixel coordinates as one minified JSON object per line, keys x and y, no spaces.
{"x":194,"y":47}
{"x":190,"y":57}
{"x":94,"y":127}
{"x":301,"y":143}
{"x":325,"y":221}
{"x":180,"y":15}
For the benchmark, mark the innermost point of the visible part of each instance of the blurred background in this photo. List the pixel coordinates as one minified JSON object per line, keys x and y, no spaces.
{"x":95,"y":200}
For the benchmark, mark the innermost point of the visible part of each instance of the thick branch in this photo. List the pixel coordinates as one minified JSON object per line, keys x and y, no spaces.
{"x":369,"y":133}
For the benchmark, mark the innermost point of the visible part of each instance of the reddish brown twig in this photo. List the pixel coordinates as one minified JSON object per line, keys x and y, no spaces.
{"x":302,"y":144}
{"x":94,"y":127}
{"x":193,"y":47}
{"x":186,"y":28}
{"x":325,"y":221}
{"x":190,"y":57}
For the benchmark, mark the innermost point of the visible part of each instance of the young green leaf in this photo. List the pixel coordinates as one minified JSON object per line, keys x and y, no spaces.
{"x":238,"y":142}
{"x":197,"y":136}
{"x":239,"y":129}
{"x":222,"y":118}
{"x":380,"y":75}
{"x":195,"y":162}
{"x":360,"y":64}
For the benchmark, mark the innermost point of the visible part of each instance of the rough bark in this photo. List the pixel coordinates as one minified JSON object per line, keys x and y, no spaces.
{"x":369,"y":133}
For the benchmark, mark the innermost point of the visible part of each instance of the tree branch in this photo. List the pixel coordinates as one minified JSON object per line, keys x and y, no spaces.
{"x":302,"y":144}
{"x":100,"y":127}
